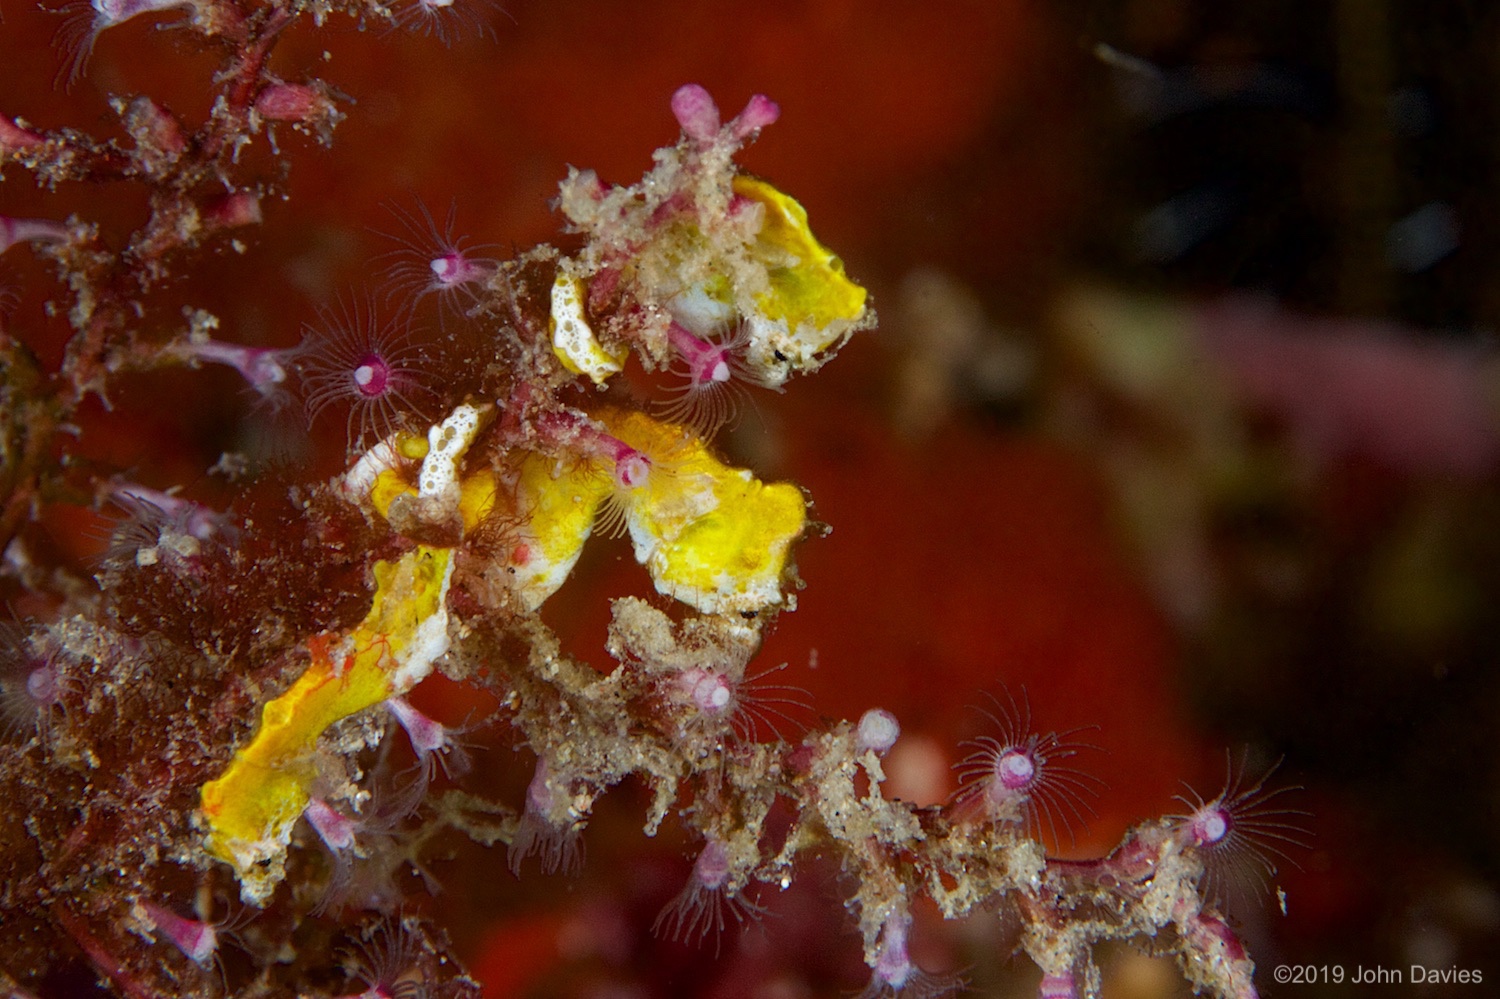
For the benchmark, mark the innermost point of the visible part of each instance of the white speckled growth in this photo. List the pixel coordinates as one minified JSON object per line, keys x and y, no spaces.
{"x":446,"y":444}
{"x":573,"y":339}
{"x":360,"y":479}
{"x":428,"y":642}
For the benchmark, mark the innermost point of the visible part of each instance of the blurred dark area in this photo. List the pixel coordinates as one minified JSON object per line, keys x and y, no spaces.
{"x":1183,"y":415}
{"x":1337,"y":156}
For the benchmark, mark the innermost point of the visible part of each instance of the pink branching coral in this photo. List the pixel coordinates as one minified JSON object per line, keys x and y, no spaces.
{"x":1241,"y":834}
{"x":32,"y":687}
{"x":1022,"y":776}
{"x":700,"y":908}
{"x":432,"y":259}
{"x":352,"y":359}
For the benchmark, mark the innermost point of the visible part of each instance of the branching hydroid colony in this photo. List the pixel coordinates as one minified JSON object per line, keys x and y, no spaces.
{"x":216,"y":709}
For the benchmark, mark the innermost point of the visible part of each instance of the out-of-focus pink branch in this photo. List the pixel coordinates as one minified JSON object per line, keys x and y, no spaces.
{"x":1411,"y":401}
